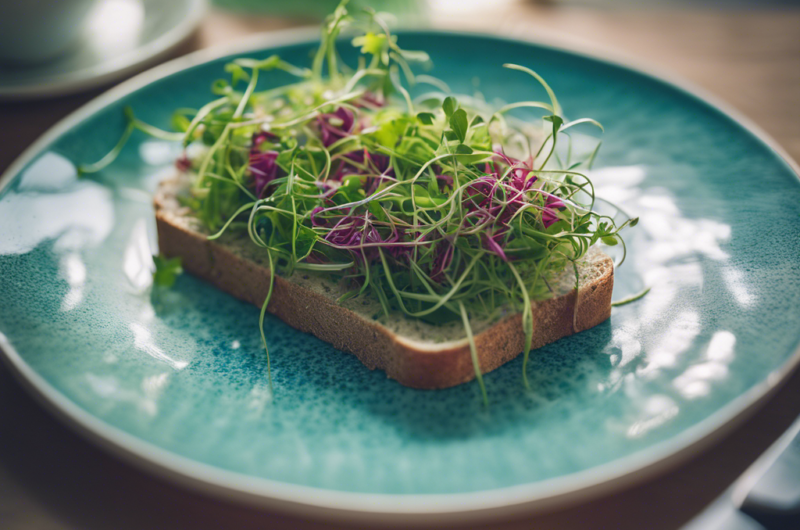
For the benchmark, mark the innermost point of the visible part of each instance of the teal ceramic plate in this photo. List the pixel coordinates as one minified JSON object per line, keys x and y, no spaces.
{"x":179,"y":383}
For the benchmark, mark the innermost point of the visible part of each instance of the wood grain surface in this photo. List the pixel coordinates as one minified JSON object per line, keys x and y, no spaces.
{"x":50,"y":478}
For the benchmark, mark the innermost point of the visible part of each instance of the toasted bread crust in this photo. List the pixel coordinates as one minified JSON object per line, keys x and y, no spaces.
{"x":411,"y":364}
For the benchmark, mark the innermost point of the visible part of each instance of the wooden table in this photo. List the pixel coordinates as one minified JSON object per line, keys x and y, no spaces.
{"x":50,"y":478}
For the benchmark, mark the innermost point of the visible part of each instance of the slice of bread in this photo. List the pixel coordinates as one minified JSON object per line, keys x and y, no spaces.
{"x":413,"y":352}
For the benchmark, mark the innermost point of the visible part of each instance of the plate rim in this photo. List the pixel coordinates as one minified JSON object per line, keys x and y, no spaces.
{"x":114,"y":68}
{"x":413,"y":509}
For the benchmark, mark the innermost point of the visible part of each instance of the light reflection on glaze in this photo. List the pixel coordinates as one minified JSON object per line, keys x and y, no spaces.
{"x":678,"y":338}
{"x":152,"y":387}
{"x":137,"y":261}
{"x":696,"y":380}
{"x":51,"y":173}
{"x":657,"y":411}
{"x":52,"y":204}
{"x":73,"y":271}
{"x":75,"y":219}
{"x":109,"y":388}
{"x":143,"y":341}
{"x":259,"y":397}
{"x":734,"y":279}
{"x":144,"y":399}
{"x":666,"y":253}
{"x":720,"y":349}
{"x":623,"y":349}
{"x":159,"y":153}
{"x":665,"y":285}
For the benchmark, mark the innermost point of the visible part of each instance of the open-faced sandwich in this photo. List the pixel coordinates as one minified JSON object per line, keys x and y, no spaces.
{"x":435,"y":237}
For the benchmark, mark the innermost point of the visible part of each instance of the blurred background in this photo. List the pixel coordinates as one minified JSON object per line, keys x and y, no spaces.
{"x":744,"y":52}
{"x":747,"y":52}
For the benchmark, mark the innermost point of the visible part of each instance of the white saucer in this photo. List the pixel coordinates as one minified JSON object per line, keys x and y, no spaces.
{"x":120,"y":37}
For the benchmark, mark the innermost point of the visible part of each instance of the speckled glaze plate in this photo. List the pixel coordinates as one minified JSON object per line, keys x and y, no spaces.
{"x":178,"y":383}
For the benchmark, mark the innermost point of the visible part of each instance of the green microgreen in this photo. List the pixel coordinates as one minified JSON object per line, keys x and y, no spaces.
{"x":440,"y":207}
{"x":167,"y":270}
{"x":630,"y":299}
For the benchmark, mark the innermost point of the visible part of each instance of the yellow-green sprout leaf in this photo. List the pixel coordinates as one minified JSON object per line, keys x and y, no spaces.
{"x":371,"y":43}
{"x":459,"y":124}
{"x":426,"y":118}
{"x":167,"y":270}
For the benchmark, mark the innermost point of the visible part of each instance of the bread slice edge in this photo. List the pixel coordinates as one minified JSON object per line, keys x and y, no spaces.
{"x":411,"y":362}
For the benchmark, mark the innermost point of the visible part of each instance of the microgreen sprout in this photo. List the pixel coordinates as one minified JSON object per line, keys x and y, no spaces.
{"x":166,"y":270}
{"x":638,"y":296}
{"x":132,"y":124}
{"x":440,"y":207}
